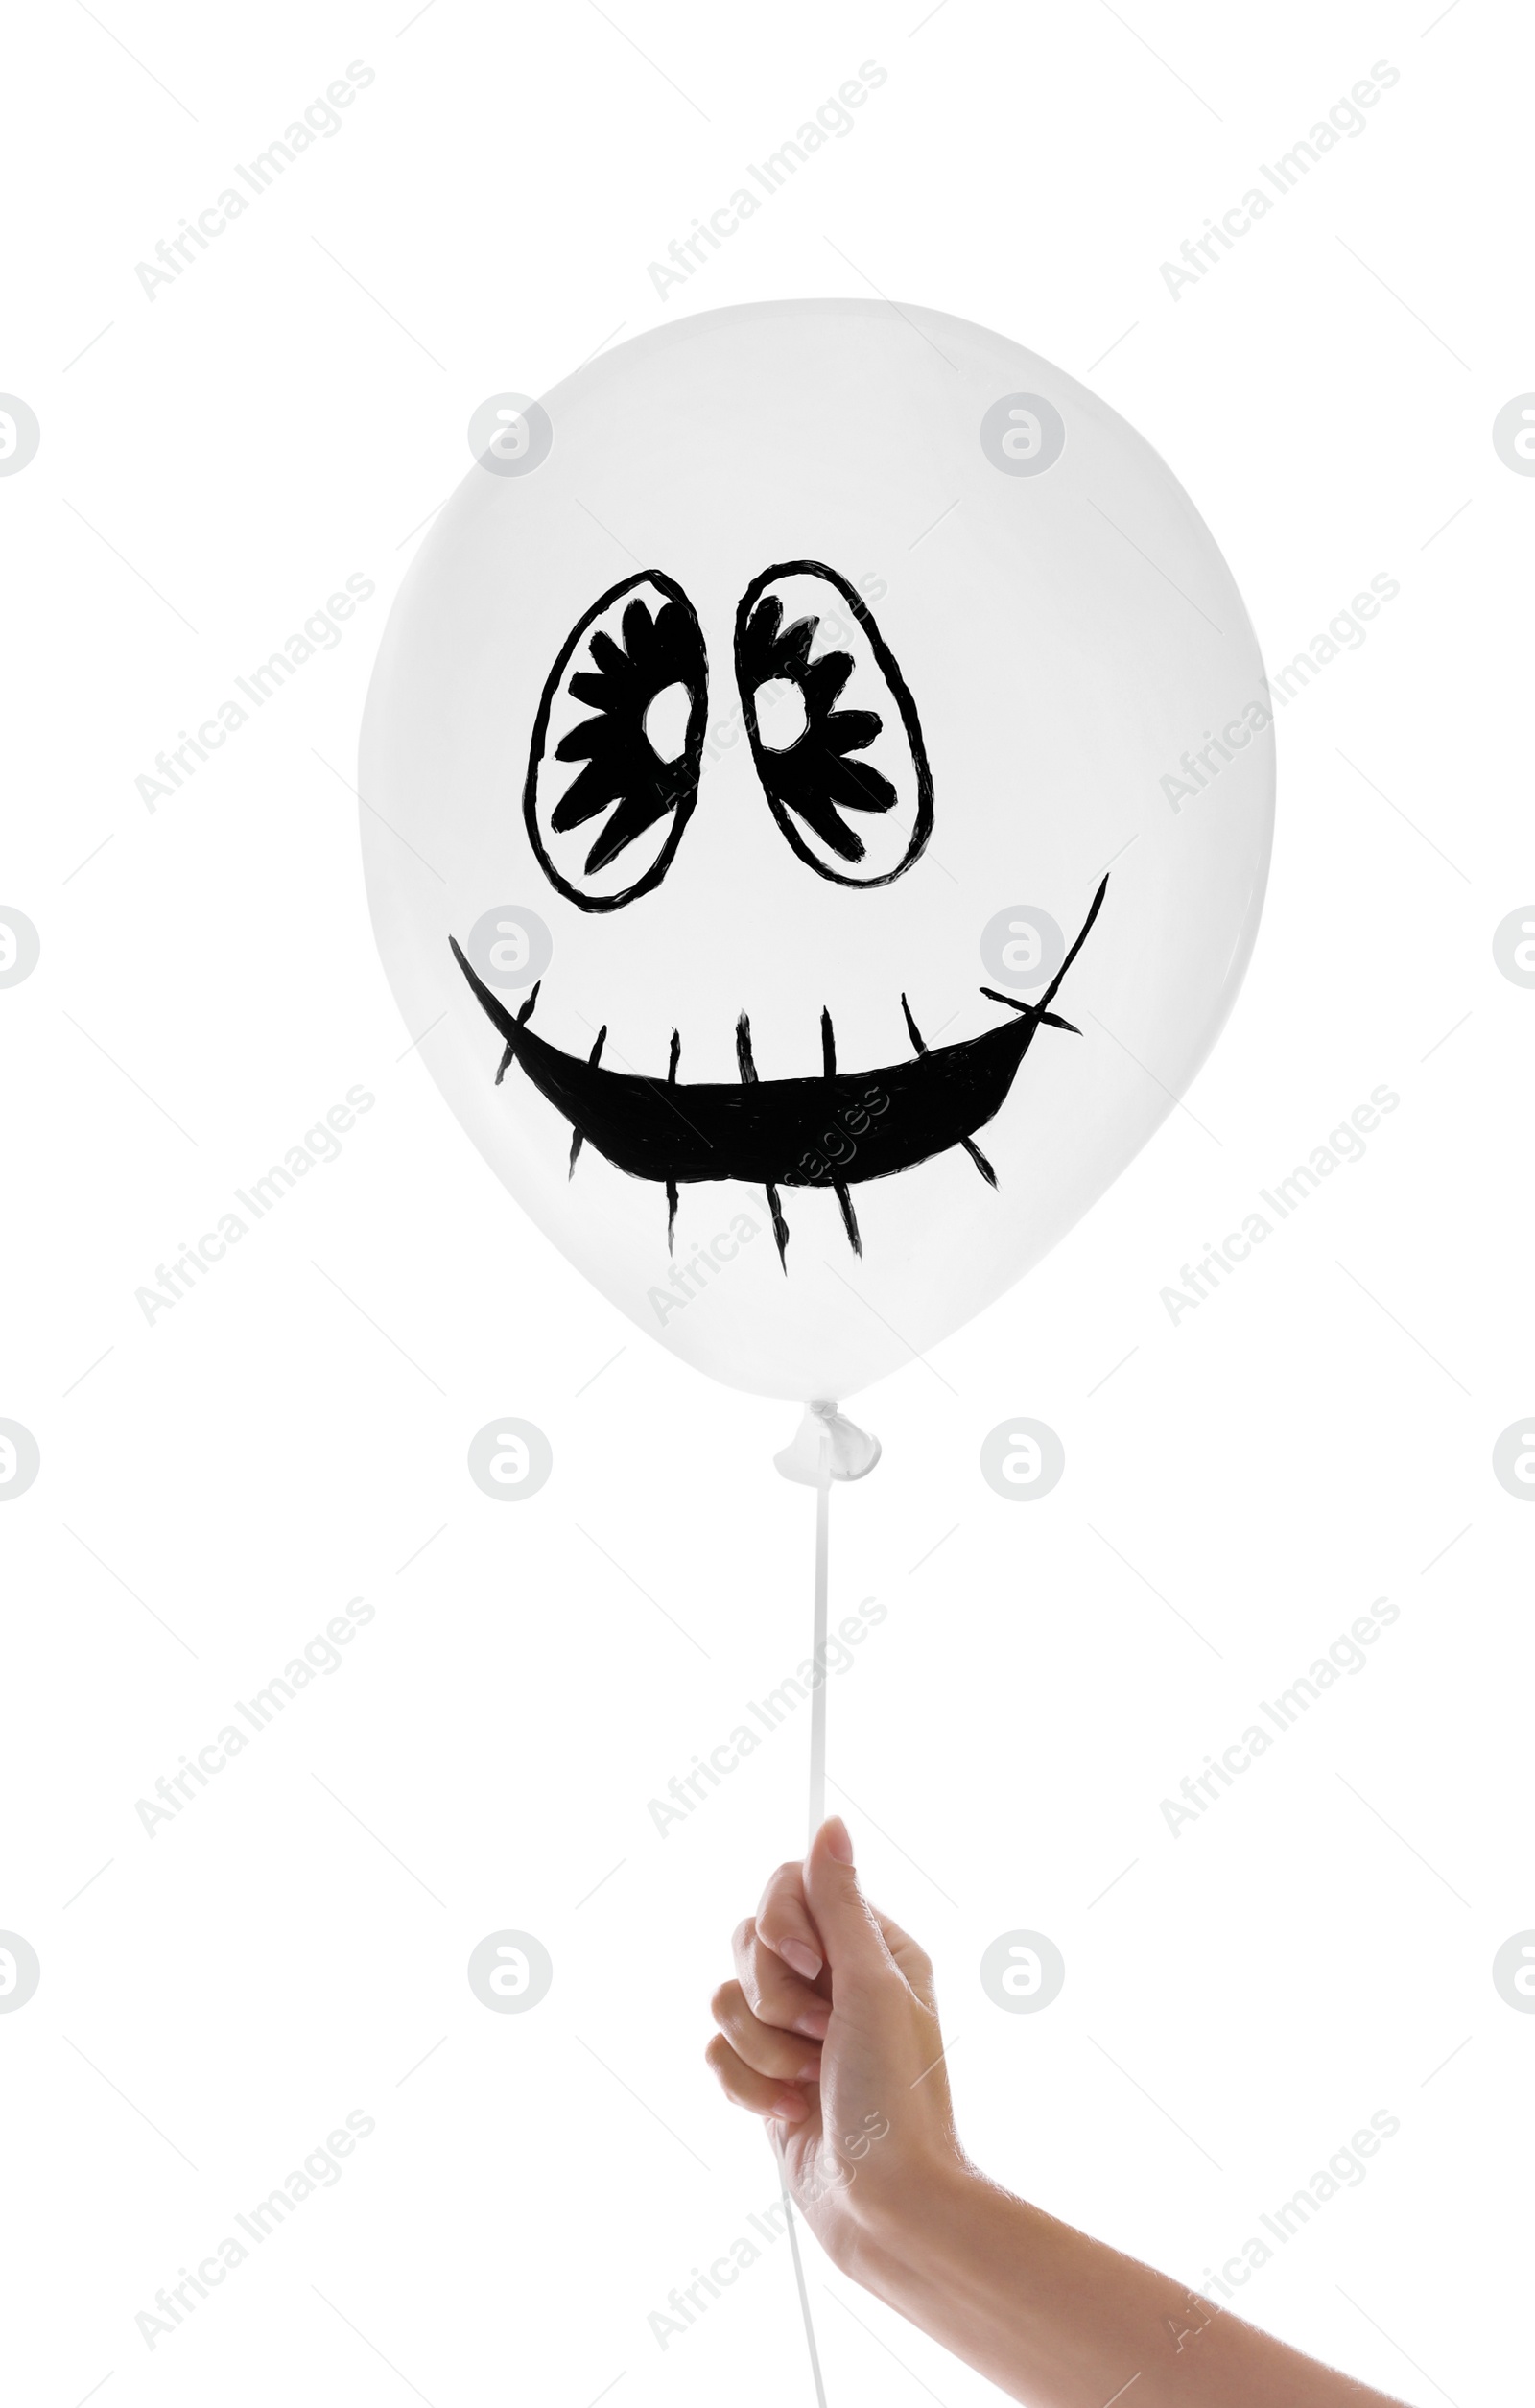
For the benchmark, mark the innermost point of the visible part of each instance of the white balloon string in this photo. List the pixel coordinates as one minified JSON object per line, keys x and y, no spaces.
{"x":799,"y":2270}
{"x":817,"y":1816}
{"x":818,"y":1695}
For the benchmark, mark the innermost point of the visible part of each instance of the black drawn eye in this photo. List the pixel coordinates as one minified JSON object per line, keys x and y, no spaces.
{"x":617,"y":745}
{"x":834,"y":733}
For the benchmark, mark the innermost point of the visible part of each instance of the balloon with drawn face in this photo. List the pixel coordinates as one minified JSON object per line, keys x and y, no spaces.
{"x":817,"y":812}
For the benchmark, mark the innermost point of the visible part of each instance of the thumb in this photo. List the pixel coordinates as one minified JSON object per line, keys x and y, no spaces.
{"x":854,"y":1950}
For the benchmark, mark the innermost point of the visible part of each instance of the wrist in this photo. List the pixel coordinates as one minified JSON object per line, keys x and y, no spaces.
{"x":905,"y":2241}
{"x":988,"y":2277}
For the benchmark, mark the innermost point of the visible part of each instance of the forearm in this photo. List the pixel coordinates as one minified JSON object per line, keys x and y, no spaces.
{"x":1060,"y":2321}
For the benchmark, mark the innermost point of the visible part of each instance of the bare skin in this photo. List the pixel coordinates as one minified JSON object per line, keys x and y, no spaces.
{"x":830,"y":2033}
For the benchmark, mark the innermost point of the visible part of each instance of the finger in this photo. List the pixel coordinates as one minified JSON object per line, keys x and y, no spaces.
{"x":753,"y":2090}
{"x":786,"y":1925}
{"x":773,"y":1994}
{"x":911,"y":1958}
{"x":780,"y":2055}
{"x":855,"y":1945}
{"x":908,"y":1956}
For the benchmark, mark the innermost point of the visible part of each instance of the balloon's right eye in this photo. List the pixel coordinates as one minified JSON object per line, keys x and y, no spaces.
{"x":618,"y":745}
{"x":834,"y":730}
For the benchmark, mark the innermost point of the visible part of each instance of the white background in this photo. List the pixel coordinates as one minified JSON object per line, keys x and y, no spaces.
{"x":1239,"y":1485}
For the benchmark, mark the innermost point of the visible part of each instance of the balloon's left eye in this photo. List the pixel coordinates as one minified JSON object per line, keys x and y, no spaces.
{"x":625,"y":704}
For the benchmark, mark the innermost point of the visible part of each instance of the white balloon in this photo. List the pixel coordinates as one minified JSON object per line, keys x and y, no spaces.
{"x":763,"y":929}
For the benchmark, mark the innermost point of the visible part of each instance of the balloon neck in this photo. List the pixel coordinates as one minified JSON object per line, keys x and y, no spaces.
{"x":827,"y":1436}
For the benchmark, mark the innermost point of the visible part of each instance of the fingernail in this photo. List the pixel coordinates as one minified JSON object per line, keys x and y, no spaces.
{"x":816,"y":2022}
{"x":811,"y":2069}
{"x":804,"y":1960}
{"x":839,"y":1846}
{"x":790,"y":2107}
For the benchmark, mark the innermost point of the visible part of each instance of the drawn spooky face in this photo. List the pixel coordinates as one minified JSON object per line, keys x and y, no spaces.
{"x":763,"y":814}
{"x":637,"y":661}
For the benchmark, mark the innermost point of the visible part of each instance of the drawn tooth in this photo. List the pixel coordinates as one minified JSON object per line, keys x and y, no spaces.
{"x":576,"y":1139}
{"x":1036,"y":1012}
{"x":676,"y":1057}
{"x":828,"y":1045}
{"x":743,"y":1061}
{"x":780,"y":1225}
{"x":522,"y":1017}
{"x":849,"y":1216}
{"x":979,"y":1160}
{"x":918,"y":1043}
{"x":670,"y":1212}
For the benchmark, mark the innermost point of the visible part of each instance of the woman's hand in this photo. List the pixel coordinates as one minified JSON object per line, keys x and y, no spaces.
{"x":830,"y":2032}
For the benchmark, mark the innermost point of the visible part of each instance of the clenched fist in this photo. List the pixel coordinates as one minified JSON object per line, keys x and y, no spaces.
{"x":830,"y":2029}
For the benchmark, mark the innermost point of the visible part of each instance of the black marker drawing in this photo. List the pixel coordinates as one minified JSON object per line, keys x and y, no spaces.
{"x":624,"y":770}
{"x":772,"y":1133}
{"x":815,"y":782}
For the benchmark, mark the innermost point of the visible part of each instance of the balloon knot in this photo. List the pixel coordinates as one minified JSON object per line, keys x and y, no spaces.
{"x":850,"y":1454}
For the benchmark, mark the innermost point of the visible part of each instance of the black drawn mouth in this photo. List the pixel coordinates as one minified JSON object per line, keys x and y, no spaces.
{"x":833,"y":1131}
